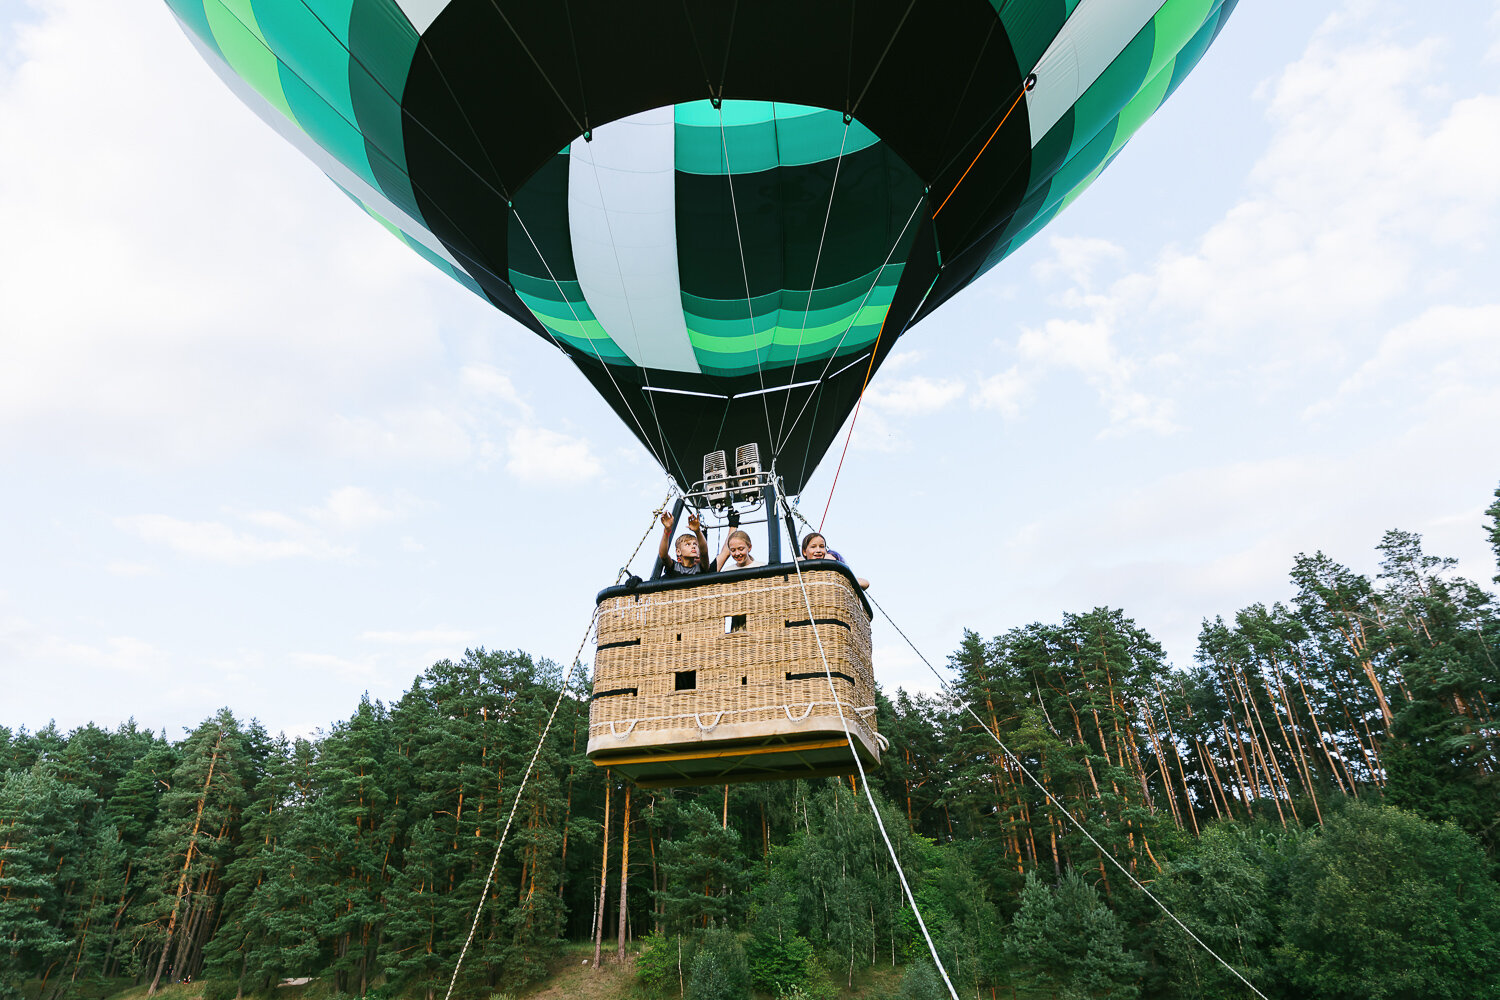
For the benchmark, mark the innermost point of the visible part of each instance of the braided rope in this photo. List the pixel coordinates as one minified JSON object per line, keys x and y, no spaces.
{"x":495,"y":863}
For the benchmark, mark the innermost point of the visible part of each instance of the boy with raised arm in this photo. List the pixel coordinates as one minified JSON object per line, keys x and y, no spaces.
{"x":690,"y":548}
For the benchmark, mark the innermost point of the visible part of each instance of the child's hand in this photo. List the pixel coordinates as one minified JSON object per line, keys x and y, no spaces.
{"x":667,"y":519}
{"x":694,"y":523}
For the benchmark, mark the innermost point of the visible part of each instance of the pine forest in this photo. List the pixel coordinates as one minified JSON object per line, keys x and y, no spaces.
{"x":1316,"y":798}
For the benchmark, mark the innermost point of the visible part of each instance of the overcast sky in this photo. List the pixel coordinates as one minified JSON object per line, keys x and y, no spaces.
{"x":255,"y":453}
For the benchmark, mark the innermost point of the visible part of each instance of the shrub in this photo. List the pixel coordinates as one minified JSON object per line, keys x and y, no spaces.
{"x":719,"y":971}
{"x":921,"y":983}
{"x":656,"y":965}
{"x":219,"y":989}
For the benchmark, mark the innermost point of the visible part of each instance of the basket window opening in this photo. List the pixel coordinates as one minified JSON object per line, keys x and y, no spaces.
{"x":744,"y":680}
{"x":734,"y":623}
{"x":687,"y":680}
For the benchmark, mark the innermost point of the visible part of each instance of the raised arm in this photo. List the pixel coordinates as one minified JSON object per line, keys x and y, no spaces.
{"x":666,"y":535}
{"x":696,"y":526}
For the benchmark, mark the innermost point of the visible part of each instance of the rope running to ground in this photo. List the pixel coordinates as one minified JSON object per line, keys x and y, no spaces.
{"x":863,"y":780}
{"x":1061,"y":808}
{"x":495,"y":863}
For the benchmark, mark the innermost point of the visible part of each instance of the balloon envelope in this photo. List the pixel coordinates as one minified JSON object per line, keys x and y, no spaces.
{"x":724,"y":214}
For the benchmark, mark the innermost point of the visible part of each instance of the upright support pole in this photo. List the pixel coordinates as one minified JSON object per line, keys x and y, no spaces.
{"x":773,"y":526}
{"x":791,"y":533}
{"x":661,"y":563}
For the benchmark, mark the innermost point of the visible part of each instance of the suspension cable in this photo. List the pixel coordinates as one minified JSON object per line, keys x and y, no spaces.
{"x":863,"y":779}
{"x":495,"y":863}
{"x":858,"y":403}
{"x":948,"y":689}
{"x":834,"y":354}
{"x":660,"y":460}
{"x":739,"y":239}
{"x":635,"y":332}
{"x":812,"y":284}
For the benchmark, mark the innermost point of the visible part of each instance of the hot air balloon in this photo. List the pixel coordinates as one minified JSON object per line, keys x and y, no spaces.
{"x":725,"y":214}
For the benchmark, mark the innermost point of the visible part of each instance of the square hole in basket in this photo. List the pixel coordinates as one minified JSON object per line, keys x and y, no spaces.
{"x":687,"y":680}
{"x":734,"y":623}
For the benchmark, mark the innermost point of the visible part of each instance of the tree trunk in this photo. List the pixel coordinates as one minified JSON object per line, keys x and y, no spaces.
{"x":624,"y":874}
{"x":603,"y":873}
{"x":187,"y":862}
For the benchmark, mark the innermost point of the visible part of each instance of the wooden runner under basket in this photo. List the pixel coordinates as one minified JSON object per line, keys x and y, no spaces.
{"x":717,"y":678}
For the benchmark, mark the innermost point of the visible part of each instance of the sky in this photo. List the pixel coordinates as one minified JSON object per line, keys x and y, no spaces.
{"x":254,"y":453}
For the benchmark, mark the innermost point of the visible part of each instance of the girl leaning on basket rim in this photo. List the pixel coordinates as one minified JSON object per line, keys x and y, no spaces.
{"x":815,"y":546}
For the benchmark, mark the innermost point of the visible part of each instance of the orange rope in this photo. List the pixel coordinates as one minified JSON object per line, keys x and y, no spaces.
{"x":869,"y":370}
{"x":1026,"y":85}
{"x":1003,"y":120}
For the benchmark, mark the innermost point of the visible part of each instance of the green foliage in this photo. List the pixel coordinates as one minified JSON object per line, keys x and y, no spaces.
{"x":718,"y":968}
{"x":218,"y":989}
{"x":778,"y":963}
{"x":1492,"y":530}
{"x":656,"y":965}
{"x":1220,"y":890}
{"x":1248,"y":779}
{"x":1385,"y":905}
{"x":1066,"y":939}
{"x":921,"y":982}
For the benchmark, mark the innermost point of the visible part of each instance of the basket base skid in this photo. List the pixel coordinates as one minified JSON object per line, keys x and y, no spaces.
{"x":696,"y":760}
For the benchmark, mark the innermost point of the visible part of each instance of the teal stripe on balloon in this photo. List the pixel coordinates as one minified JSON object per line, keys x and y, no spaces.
{"x":190,"y":12}
{"x":761,"y":135}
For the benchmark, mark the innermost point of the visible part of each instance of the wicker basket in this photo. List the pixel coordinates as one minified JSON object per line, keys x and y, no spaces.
{"x":703,"y":680}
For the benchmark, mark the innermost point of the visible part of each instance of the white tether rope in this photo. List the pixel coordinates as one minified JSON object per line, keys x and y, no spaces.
{"x":865,"y":782}
{"x":1063,"y":809}
{"x":494,"y":864}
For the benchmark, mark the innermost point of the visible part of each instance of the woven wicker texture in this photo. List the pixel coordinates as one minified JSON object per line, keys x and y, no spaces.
{"x":741,"y":638}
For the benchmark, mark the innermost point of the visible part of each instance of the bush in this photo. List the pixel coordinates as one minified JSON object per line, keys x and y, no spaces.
{"x":777,"y":964}
{"x":921,"y":983}
{"x":656,"y":965}
{"x":219,"y":989}
{"x":719,"y":971}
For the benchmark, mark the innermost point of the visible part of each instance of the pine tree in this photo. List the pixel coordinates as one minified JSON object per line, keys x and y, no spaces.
{"x":191,"y":844}
{"x":41,"y":819}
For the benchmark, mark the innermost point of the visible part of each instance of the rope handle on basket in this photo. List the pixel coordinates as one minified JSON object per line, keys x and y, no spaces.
{"x":788,"y":710}
{"x":710,"y":728}
{"x":867,"y":710}
{"x":621,"y":736}
{"x":885,"y":744}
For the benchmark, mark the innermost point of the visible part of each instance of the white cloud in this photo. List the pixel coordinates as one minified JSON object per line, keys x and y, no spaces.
{"x":347,"y":667}
{"x":448,"y":637}
{"x":542,"y":456}
{"x":1076,"y":258}
{"x":914,"y":396}
{"x":129,"y":569}
{"x":1005,"y":391}
{"x":1368,"y":177}
{"x":1377,"y":188}
{"x":352,"y":509}
{"x":218,"y":542}
{"x":489,"y":381}
{"x":141,"y":210}
{"x":1445,"y":352}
